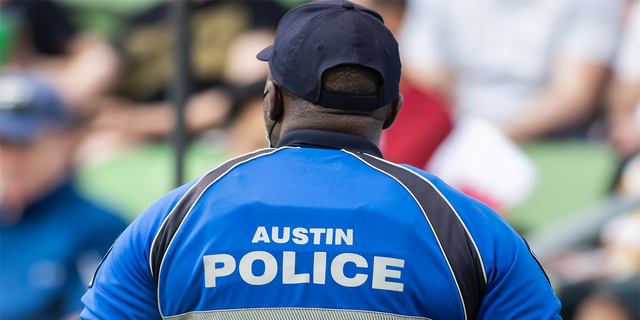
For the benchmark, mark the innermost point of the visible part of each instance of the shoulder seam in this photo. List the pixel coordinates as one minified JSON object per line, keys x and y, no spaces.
{"x":181,"y":199}
{"x":462,"y":299}
{"x":256,"y":154}
{"x":457,"y":215}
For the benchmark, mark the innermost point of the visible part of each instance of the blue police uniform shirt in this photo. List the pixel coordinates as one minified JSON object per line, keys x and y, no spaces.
{"x":319,"y":228}
{"x":49,"y":256}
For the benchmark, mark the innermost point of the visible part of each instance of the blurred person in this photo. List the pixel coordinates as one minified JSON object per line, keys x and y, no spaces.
{"x":515,"y":71}
{"x":530,"y":67}
{"x":140,"y":109}
{"x":424,"y":121}
{"x":605,"y":279}
{"x":624,"y":90}
{"x":244,"y":78}
{"x":615,"y":300}
{"x":40,"y":36}
{"x":244,"y":131}
{"x":51,"y":237}
{"x":612,"y":289}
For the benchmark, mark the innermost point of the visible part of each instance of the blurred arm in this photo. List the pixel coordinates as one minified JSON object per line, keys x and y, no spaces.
{"x":432,"y":78}
{"x":623,"y":99}
{"x":587,"y":43}
{"x":623,"y":94}
{"x":567,"y":100}
{"x":204,"y":110}
{"x":89,"y":70}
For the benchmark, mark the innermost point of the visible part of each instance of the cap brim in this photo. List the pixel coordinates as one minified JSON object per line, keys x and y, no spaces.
{"x":20,"y":131}
{"x":265,"y":54}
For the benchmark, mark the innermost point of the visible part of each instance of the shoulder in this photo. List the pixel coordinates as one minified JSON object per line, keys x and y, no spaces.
{"x":497,"y":243}
{"x":505,"y":256}
{"x":151,"y":219}
{"x":171,"y":206}
{"x":470,"y":209}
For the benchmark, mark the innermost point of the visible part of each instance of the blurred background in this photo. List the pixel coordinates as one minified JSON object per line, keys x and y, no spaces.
{"x":531,"y":106}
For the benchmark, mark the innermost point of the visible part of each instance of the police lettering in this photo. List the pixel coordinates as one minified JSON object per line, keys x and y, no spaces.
{"x":221,"y":265}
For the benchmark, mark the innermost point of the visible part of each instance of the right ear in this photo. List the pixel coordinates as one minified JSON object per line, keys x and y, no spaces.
{"x":396,"y":105}
{"x":275,"y":103}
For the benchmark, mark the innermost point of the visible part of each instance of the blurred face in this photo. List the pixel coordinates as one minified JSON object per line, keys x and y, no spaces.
{"x":28,"y":172}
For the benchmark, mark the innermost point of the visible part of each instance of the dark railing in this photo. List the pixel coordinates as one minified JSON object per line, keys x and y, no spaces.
{"x":180,"y":88}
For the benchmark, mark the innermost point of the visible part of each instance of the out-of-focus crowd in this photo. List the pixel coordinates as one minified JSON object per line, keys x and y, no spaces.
{"x":84,"y":82}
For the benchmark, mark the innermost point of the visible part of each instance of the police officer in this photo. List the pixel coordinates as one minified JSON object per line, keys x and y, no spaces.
{"x":321,"y":227}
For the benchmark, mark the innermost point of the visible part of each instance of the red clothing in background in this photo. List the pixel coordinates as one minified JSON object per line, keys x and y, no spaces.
{"x":421,"y":126}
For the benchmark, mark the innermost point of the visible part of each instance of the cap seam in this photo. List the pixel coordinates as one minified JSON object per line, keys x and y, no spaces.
{"x":355,"y":34}
{"x":298,"y":41}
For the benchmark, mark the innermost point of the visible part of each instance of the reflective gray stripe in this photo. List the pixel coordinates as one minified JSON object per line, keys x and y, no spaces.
{"x":290,"y":314}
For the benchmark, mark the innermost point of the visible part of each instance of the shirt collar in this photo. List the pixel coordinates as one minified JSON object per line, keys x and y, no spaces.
{"x":308,"y":138}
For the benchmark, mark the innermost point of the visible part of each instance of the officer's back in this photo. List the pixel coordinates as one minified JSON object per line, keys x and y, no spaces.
{"x":320,"y":226}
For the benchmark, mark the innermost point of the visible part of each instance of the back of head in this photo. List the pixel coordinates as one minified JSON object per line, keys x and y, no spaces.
{"x":346,"y":79}
{"x":319,"y":46}
{"x":338,"y":66}
{"x":352,"y":79}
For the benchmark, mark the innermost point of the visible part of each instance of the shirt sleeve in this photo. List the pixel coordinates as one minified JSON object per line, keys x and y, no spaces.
{"x":519,"y":289}
{"x":123,"y":287}
{"x":423,"y":40}
{"x":517,"y":286}
{"x":592,"y":30}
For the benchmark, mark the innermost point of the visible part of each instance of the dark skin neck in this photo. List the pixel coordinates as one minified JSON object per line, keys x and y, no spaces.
{"x":278,"y":109}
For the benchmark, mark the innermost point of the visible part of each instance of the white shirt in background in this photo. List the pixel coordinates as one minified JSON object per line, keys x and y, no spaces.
{"x":627,"y":64}
{"x":502,"y":51}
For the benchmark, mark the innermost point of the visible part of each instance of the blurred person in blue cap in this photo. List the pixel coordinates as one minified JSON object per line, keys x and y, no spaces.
{"x":51,"y":238}
{"x":319,"y":226}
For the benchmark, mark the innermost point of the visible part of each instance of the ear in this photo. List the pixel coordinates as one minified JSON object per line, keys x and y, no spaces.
{"x":275,"y":103}
{"x":396,"y":105}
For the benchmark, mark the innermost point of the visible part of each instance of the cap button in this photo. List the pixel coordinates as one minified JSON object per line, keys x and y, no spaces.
{"x":348,"y":5}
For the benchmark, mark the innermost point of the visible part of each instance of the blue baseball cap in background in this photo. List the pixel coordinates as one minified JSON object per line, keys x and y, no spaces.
{"x":29,"y":108}
{"x":320,"y":35}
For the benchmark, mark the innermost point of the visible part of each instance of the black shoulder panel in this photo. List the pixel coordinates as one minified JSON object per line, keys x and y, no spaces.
{"x":457,"y":245}
{"x":173,"y":221}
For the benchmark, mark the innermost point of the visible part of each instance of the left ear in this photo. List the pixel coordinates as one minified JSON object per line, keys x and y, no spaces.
{"x":275,"y":107}
{"x":396,"y":105}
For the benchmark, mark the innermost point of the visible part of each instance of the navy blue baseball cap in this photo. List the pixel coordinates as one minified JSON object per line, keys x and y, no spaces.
{"x":316,"y":36}
{"x":28,"y":108}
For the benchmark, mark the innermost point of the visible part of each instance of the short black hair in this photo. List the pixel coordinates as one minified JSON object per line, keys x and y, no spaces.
{"x":349,"y":79}
{"x":352,"y":79}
